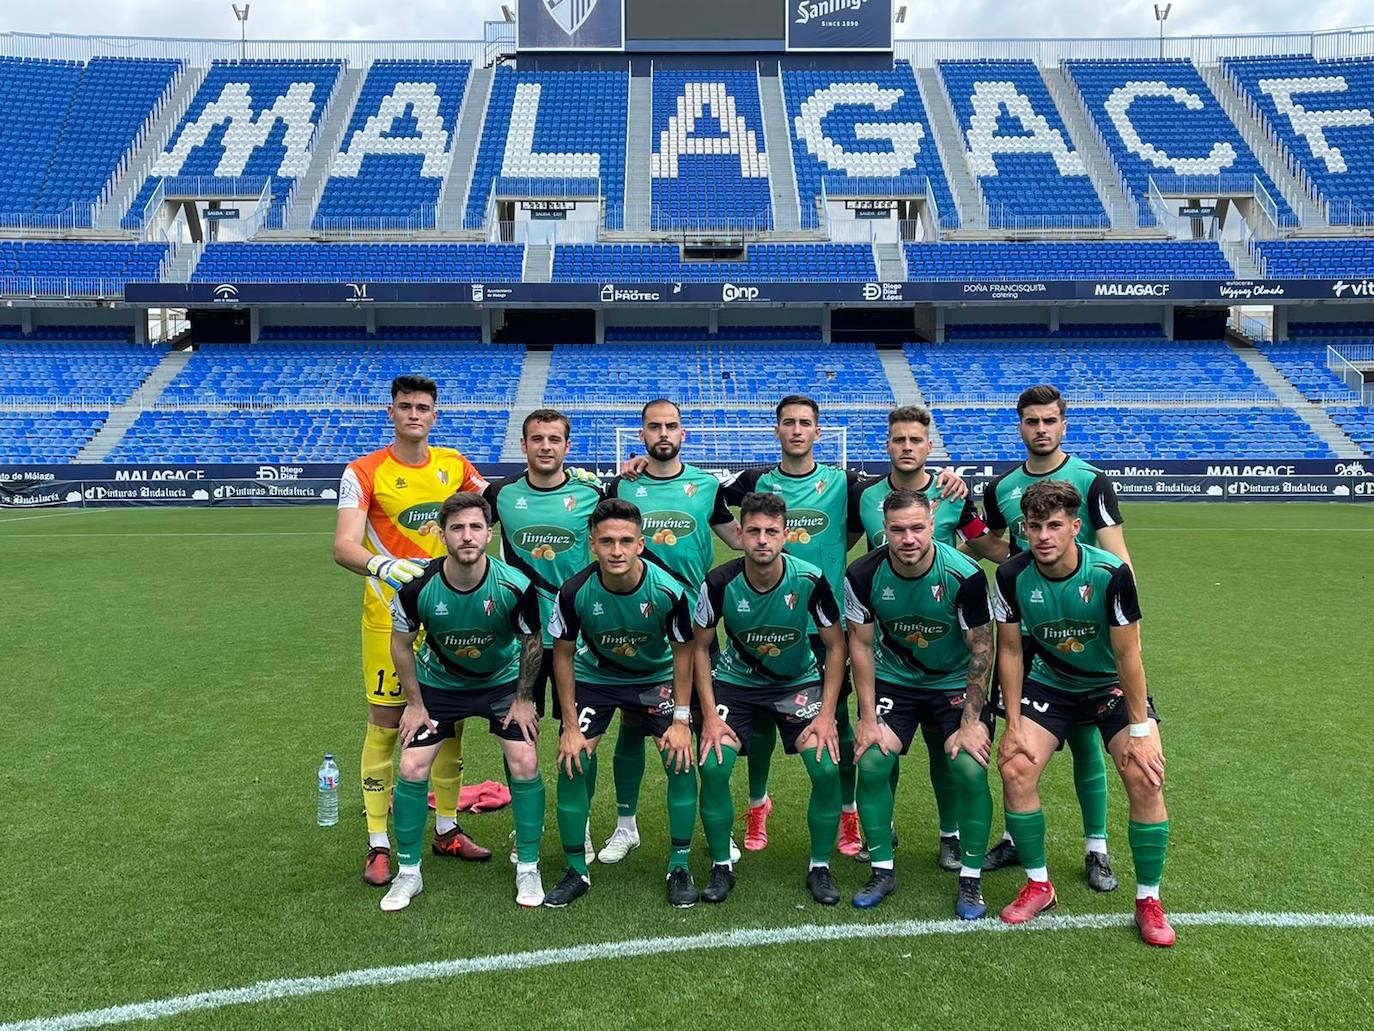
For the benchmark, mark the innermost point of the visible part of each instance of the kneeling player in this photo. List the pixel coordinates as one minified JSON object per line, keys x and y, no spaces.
{"x":635,"y":627}
{"x":920,"y":647}
{"x":481,"y":657}
{"x":767,"y":674}
{"x":1077,"y":606}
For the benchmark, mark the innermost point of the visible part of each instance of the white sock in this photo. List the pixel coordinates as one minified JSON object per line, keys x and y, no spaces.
{"x":882,"y":864}
{"x":444,"y":824}
{"x":407,"y":868}
{"x":949,"y":834}
{"x":754,"y":803}
{"x":526,"y":867}
{"x":971,"y":871}
{"x":1038,"y":873}
{"x":627,"y":823}
{"x":1095,"y":845}
{"x":588,"y":831}
{"x":818,"y":866}
{"x":850,"y":807}
{"x":1147,"y":891}
{"x":1006,"y":836}
{"x":378,"y":840}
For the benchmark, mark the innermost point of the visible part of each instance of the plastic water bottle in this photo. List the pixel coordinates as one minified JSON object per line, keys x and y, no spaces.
{"x":328,"y":778}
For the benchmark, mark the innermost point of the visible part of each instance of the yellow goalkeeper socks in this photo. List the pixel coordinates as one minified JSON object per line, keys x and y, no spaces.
{"x":378,"y":745}
{"x":446,"y":779}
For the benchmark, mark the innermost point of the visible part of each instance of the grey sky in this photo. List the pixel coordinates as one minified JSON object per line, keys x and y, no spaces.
{"x":461,"y":19}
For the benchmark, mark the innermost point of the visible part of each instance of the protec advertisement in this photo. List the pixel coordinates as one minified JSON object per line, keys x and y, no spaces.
{"x":839,"y":24}
{"x":570,"y":25}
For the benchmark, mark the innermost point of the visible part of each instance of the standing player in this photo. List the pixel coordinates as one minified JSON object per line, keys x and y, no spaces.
{"x":768,"y":673}
{"x":480,"y":658}
{"x":956,"y":524}
{"x":920,"y":648}
{"x":681,"y":506}
{"x":622,"y":632}
{"x":1040,"y":411}
{"x":388,"y":501}
{"x":1077,"y":606}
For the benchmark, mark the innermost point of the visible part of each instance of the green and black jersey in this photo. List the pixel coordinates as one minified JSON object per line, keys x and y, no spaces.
{"x":624,"y":638}
{"x":544,"y":531}
{"x":1068,"y":620}
{"x":766,"y":632}
{"x":679,"y":512}
{"x":954,"y":520}
{"x":919,"y":622}
{"x":1002,"y":500}
{"x":471,"y":637}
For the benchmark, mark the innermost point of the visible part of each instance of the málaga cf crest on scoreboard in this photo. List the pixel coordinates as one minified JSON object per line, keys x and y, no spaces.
{"x":570,"y":14}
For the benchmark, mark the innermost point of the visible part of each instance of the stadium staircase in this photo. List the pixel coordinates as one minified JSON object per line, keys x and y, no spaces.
{"x":181,"y":261}
{"x":906,"y":391}
{"x":1102,"y":170}
{"x":529,"y":395}
{"x":305,"y":197}
{"x":890,"y":260}
{"x":1257,"y":139}
{"x":950,"y":145}
{"x":123,"y":417}
{"x":454,"y":196}
{"x":782,"y":177}
{"x":538,"y":263}
{"x":639,"y":144}
{"x":155,"y":142}
{"x":1241,"y":260}
{"x":1311,"y":413}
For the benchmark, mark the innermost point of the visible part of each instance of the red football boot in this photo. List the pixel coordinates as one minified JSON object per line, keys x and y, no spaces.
{"x":456,"y":844}
{"x":756,"y":827}
{"x":850,"y":843}
{"x":1035,"y":897}
{"x":1154,"y":925}
{"x":377,"y":868}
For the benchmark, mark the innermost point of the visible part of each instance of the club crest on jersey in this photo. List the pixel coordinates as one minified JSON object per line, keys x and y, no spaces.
{"x":820,"y":486}
{"x":937,"y":591}
{"x":743,"y":605}
{"x":441,"y":609}
{"x":569,"y":503}
{"x":790,"y":600}
{"x":1037,"y":597}
{"x":488,"y":606}
{"x":443,"y":476}
{"x":646,"y":609}
{"x":1086,"y":593}
{"x":689,"y":489}
{"x":888,"y":595}
{"x":597,"y":610}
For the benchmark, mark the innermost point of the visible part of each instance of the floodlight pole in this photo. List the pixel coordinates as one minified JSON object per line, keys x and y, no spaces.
{"x":1161,"y":16}
{"x":241,"y":13}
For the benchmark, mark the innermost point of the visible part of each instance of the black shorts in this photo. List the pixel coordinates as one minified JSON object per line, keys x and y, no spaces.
{"x":651,"y":706}
{"x":543,"y":684}
{"x":446,"y":707}
{"x":904,"y":709}
{"x":995,"y":690}
{"x":846,"y":685}
{"x":789,"y":709}
{"x":1060,"y":711}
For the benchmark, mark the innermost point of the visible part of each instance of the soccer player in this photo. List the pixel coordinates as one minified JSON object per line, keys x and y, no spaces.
{"x":623,"y":637}
{"x":682,"y":506}
{"x":921,"y":652}
{"x":543,"y":514}
{"x":1040,"y":411}
{"x":388,"y":501}
{"x":956,"y":524}
{"x":1077,"y":606}
{"x":767,"y":673}
{"x":480,"y":658}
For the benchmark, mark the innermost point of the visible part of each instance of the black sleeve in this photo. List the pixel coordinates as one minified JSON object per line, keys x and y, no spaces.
{"x":712,"y":594}
{"x":564,"y":624}
{"x":857,"y":485}
{"x":524,"y":615}
{"x":992,"y":513}
{"x":405,"y":607}
{"x":741,"y":484}
{"x":1123,"y":605}
{"x":720,"y":511}
{"x":970,"y":526}
{"x":971,"y":603}
{"x":490,"y":495}
{"x":613,"y":486}
{"x":1103,"y":507}
{"x":858,"y":586}
{"x":1004,"y":607}
{"x":825,"y":610}
{"x":679,"y":622}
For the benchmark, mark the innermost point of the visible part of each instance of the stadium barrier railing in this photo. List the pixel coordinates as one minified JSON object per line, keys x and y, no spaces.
{"x":419,"y":221}
{"x":1341,"y":362}
{"x":1123,"y":184}
{"x":107,"y":192}
{"x":65,"y":287}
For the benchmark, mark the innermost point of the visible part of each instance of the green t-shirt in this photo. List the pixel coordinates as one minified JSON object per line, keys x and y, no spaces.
{"x":679,"y":512}
{"x":624,"y":638}
{"x":1068,"y":621}
{"x":471,"y":637}
{"x":544,"y":532}
{"x":1002,"y":500}
{"x":954,"y":520}
{"x":919,"y":623}
{"x":766,"y":632}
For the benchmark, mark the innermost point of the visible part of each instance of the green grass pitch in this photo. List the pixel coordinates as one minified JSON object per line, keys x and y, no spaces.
{"x":175,"y":676}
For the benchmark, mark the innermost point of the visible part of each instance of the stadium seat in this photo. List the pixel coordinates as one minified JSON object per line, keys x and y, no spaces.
{"x":663,"y":263}
{"x":1317,"y":259}
{"x":1039,"y":261}
{"x":349,"y":262}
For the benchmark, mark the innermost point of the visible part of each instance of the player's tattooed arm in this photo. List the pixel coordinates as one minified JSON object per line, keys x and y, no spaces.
{"x":531,"y":656}
{"x":980,"y":644}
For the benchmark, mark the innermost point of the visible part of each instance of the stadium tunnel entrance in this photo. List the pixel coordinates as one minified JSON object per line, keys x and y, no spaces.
{"x":542,"y":327}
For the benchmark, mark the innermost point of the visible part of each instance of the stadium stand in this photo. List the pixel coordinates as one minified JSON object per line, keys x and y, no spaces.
{"x":1018,"y":147}
{"x":59,"y":266}
{"x":852,"y":127}
{"x":551,"y":125}
{"x":51,"y":435}
{"x":1357,"y":423}
{"x":395,"y":152}
{"x":659,"y":263}
{"x":1303,"y":359}
{"x":709,"y":163}
{"x":347,"y":262}
{"x":71,"y":363}
{"x":1047,"y":260}
{"x":38,"y":95}
{"x":1323,"y":112}
{"x":1159,"y":118}
{"x":699,"y":333}
{"x":1318,"y":259}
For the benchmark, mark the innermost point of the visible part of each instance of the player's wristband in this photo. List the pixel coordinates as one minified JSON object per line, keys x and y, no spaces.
{"x":681,"y":713}
{"x":1139,"y":729}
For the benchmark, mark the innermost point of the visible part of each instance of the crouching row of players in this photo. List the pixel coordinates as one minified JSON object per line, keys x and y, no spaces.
{"x":921,"y":647}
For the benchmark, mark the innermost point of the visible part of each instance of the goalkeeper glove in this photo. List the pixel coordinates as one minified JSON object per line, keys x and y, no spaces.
{"x":394,"y":572}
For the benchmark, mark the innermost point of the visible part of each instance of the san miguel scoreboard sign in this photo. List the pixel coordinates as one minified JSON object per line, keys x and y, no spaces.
{"x":839,"y":24}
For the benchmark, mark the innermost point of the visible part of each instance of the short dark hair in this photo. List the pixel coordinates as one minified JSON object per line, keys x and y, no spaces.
{"x":909,"y":413}
{"x":762,"y":503}
{"x":461,"y":502}
{"x":900,"y":499}
{"x":1040,"y":394}
{"x":1047,"y":497}
{"x":414,"y":384}
{"x":798,"y":399}
{"x":545,"y":415}
{"x":615,"y":508}
{"x":644,"y":412}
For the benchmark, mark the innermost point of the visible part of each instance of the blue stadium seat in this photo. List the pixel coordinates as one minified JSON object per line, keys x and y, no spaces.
{"x":1318,"y":259}
{"x":48,"y":267}
{"x":349,"y":262}
{"x":49,"y":436}
{"x":662,"y":263}
{"x":74,"y":363}
{"x":1039,"y":261}
{"x":1303,"y":357}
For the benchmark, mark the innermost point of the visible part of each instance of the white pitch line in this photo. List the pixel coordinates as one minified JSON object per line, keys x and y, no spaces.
{"x":289,"y":988}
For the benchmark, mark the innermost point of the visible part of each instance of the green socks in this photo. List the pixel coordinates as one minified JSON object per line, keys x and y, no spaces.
{"x":574,"y":803}
{"x":845,"y":725}
{"x":717,"y":807}
{"x":875,"y":802}
{"x":527,"y":804}
{"x":941,"y":781}
{"x":761,"y":744}
{"x":823,"y":812}
{"x":1028,"y":831}
{"x":974,"y":808}
{"x":682,"y":814}
{"x":1149,"y":841}
{"x":411,"y":810}
{"x":1089,"y":779}
{"x":627,"y":766}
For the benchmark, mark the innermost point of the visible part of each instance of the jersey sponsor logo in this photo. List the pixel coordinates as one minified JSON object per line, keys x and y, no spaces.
{"x":623,"y":642}
{"x":666,"y":527}
{"x":597,"y":608}
{"x":400,"y":483}
{"x":521,"y":503}
{"x":743,"y":605}
{"x":423,"y":518}
{"x":1037,"y":597}
{"x":770,"y":641}
{"x":806,"y":706}
{"x":1016,"y":492}
{"x":544,"y":542}
{"x":641,"y":492}
{"x":441,"y":609}
{"x":466,"y":644}
{"x":917,"y":632}
{"x":805,"y":523}
{"x":1067,"y":635}
{"x":888,"y":594}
